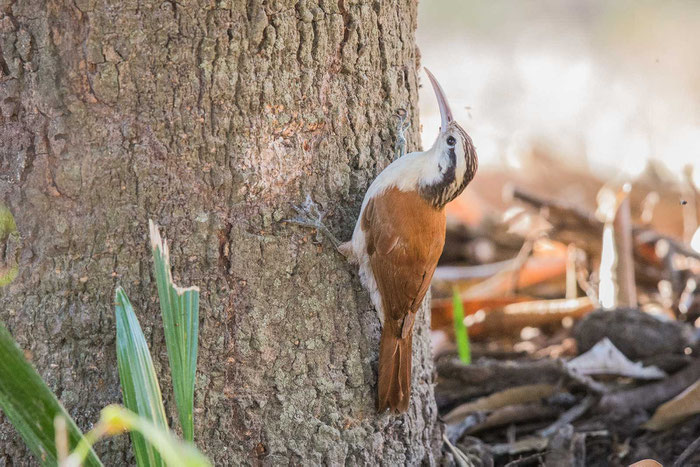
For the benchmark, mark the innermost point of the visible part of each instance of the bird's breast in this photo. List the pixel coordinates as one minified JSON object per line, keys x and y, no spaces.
{"x":404,"y":219}
{"x":404,"y":236}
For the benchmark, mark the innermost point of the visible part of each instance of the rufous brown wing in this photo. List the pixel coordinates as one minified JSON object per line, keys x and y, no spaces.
{"x":405,"y":235}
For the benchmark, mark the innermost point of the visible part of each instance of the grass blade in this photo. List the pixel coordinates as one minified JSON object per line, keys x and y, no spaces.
{"x":175,"y":452}
{"x":30,"y":405}
{"x":180,"y":311}
{"x":138,"y":378}
{"x":115,"y":420}
{"x":461,"y":335}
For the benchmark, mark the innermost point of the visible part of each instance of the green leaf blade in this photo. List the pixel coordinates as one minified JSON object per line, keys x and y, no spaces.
{"x":180,"y":312}
{"x":138,"y":378}
{"x":175,"y":452}
{"x":461,"y":334}
{"x":31,"y":407}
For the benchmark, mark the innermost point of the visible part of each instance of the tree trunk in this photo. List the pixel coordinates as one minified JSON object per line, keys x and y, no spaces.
{"x":209,"y":117}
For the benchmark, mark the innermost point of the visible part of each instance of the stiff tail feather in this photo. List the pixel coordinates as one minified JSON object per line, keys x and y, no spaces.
{"x":394,"y":371}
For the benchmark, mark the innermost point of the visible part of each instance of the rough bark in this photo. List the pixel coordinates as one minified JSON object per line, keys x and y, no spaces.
{"x":209,"y":117}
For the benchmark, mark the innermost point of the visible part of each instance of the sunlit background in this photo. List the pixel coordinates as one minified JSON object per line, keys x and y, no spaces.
{"x":603,"y":86}
{"x":586,"y":118}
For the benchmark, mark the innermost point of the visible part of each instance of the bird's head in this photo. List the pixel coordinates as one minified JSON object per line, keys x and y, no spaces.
{"x":453,"y":160}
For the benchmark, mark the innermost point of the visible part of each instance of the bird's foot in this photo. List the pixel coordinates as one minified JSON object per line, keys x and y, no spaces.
{"x":402,"y":127}
{"x":309,"y":215}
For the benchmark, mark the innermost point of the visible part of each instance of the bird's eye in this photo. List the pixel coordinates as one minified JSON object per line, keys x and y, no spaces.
{"x":451,"y":141}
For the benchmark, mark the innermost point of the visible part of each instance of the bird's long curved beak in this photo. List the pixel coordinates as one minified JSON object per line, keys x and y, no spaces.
{"x":445,"y":111}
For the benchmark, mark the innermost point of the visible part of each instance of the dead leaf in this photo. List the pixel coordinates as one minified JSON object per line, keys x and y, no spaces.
{"x":646,"y":463}
{"x":605,"y":359}
{"x":511,"y":396}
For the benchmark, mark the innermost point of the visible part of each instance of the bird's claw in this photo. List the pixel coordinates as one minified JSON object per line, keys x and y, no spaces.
{"x":309,"y":215}
{"x":309,"y":212}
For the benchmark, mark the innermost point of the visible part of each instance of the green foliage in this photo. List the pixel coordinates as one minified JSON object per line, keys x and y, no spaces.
{"x":7,"y":275}
{"x":31,"y":407}
{"x":138,"y":378}
{"x":9,"y":239}
{"x":461,"y":335}
{"x":180,"y":311}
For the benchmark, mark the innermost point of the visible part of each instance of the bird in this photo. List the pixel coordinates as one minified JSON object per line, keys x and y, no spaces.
{"x":398,"y":238}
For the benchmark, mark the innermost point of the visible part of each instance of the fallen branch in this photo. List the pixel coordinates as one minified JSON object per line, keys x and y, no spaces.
{"x":650,"y":395}
{"x":532,"y":443}
{"x":458,"y":382}
{"x":683,"y":406}
{"x":585,"y":381}
{"x":510,"y":320}
{"x":455,"y":431}
{"x":510,"y":396}
{"x":452,"y":274}
{"x":627,"y":292}
{"x":515,"y":414}
{"x":478,"y":452}
{"x":564,"y":214}
{"x":646,"y":235}
{"x":637,"y":335}
{"x":687,"y":454}
{"x":567,"y":448}
{"x":507,"y":316}
{"x":441,"y":309}
{"x":527,"y":460}
{"x":581,"y":227}
{"x":460,"y":458}
{"x":569,"y":416}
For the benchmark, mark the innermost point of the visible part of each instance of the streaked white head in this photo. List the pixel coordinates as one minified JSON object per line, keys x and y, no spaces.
{"x":452,"y":158}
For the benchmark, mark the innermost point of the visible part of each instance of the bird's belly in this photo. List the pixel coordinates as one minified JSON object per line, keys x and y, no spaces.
{"x":359,"y":245}
{"x":400,"y":237}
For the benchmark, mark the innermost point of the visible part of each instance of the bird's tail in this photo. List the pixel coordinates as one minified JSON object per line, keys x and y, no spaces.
{"x":394,"y":371}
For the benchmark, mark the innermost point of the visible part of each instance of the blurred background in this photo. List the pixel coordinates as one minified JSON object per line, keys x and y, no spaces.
{"x":595,"y":87}
{"x":607,"y":86}
{"x":582,"y":222}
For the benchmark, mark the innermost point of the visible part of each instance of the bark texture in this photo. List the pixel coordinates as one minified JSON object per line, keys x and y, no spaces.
{"x":209,"y":117}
